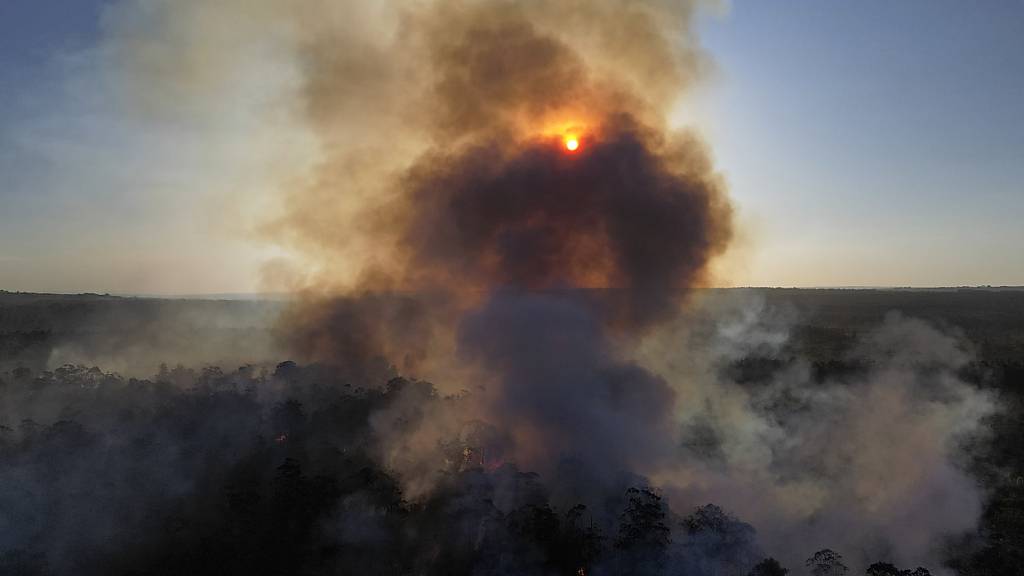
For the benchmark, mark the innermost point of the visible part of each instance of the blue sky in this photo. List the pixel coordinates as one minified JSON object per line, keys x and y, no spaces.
{"x":873,"y":142}
{"x":866,"y":143}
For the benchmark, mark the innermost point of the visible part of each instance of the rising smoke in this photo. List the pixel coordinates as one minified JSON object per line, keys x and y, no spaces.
{"x":534,"y":257}
{"x":551,"y":266}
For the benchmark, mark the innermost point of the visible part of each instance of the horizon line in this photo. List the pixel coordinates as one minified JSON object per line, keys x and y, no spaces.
{"x":287,"y":295}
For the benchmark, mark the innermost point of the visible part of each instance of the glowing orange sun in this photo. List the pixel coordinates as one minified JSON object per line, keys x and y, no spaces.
{"x":571,"y":143}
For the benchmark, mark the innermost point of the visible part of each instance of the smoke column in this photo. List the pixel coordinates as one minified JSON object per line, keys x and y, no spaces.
{"x":452,"y":232}
{"x":521,"y":259}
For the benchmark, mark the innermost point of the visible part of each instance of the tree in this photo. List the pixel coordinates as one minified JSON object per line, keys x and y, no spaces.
{"x":644,"y":538}
{"x":717,"y":542}
{"x":887,"y":569}
{"x":882,"y":569}
{"x":768,"y":567}
{"x":582,"y":541}
{"x":826,"y":562}
{"x":643,"y":522}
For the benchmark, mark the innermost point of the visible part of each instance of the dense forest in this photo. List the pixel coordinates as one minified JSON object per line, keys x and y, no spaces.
{"x":273,"y":467}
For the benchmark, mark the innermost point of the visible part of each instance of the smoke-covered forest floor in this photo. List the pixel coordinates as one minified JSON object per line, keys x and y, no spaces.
{"x":149,"y":436}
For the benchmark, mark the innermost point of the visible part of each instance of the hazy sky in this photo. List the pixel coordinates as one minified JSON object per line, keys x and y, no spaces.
{"x":866,"y":143}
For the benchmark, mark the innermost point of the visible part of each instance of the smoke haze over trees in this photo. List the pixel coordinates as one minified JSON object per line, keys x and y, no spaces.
{"x":312,"y":469}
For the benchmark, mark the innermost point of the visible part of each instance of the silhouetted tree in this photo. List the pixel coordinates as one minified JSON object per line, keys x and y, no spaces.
{"x":537,"y":528}
{"x":643,"y":522}
{"x":768,"y":567}
{"x":887,"y":569}
{"x":643,"y":535}
{"x":717,"y":541}
{"x":582,"y":542}
{"x":882,"y":569}
{"x":826,"y":563}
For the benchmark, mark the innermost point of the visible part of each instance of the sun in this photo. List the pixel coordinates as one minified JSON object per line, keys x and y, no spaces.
{"x":572,"y":143}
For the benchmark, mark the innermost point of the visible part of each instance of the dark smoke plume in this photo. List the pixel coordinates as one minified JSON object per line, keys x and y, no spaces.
{"x":617,"y":214}
{"x":494,"y":256}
